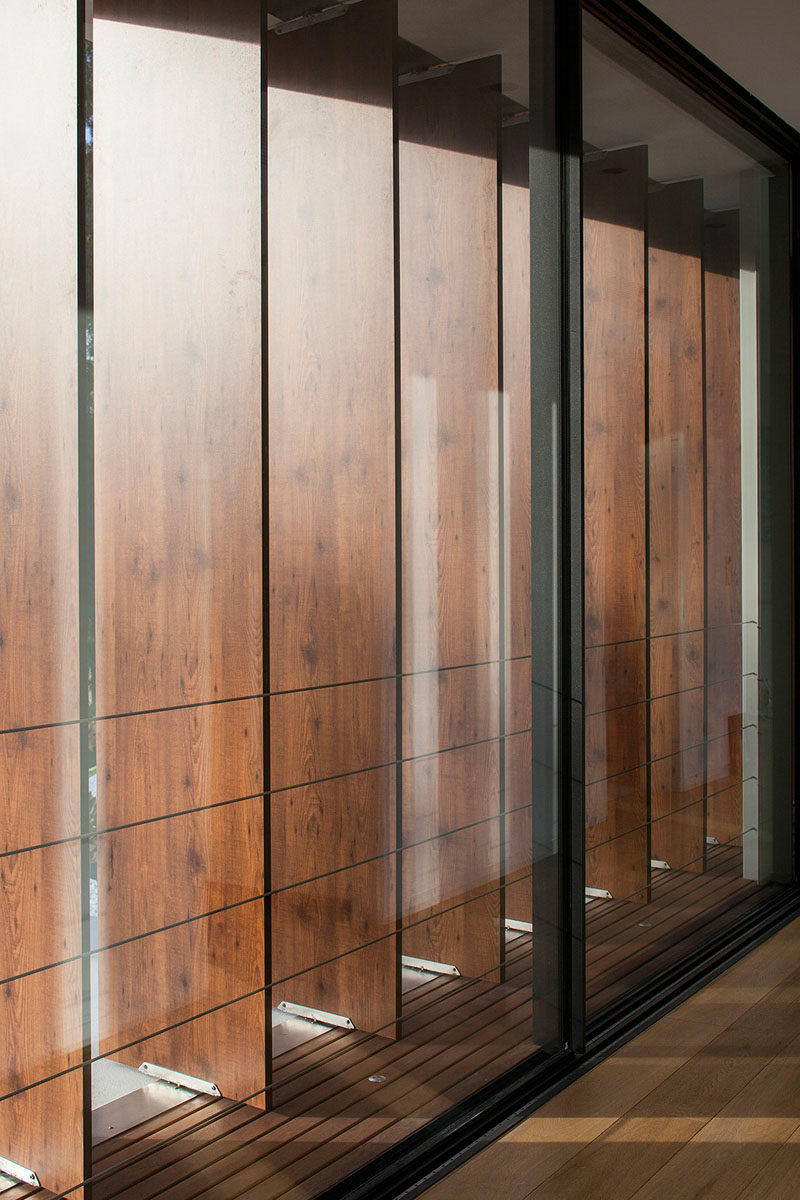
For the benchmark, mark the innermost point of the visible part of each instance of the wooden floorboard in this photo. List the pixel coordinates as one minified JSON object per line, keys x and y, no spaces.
{"x":703,"y":1104}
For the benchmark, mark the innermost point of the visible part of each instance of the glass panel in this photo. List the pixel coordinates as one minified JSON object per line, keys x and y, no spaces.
{"x":687,"y":496}
{"x":266,"y":635}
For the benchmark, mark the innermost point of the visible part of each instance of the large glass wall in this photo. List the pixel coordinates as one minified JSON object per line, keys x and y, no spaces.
{"x":266,"y":614}
{"x":687,"y":519}
{"x":292,"y":509}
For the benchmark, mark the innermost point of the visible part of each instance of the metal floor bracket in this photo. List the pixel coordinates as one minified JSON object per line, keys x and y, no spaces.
{"x":180,"y":1080}
{"x":658,"y":864}
{"x":317,"y":1015}
{"x":598,"y":894}
{"x":518,"y":926}
{"x":711,"y":840}
{"x":15,"y":1171}
{"x":424,"y":964}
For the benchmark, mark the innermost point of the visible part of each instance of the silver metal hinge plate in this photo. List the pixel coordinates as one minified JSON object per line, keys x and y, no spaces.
{"x":424,"y":964}
{"x":179,"y":1079}
{"x":518,"y":926}
{"x":15,"y":1171}
{"x":317,"y":1015}
{"x":598,"y":894}
{"x":658,"y":864}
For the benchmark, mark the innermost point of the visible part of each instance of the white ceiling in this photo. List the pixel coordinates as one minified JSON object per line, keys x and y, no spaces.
{"x":755,"y":41}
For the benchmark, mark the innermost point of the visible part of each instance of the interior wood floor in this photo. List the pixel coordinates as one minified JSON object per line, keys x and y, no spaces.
{"x":703,"y":1104}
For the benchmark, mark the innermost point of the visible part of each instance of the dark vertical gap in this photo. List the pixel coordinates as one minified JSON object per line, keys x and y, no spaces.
{"x":501,"y":536}
{"x":705,"y":537}
{"x":265,"y":630}
{"x":398,"y":536}
{"x":648,"y":630}
{"x":572,"y":612}
{"x":86,"y":602}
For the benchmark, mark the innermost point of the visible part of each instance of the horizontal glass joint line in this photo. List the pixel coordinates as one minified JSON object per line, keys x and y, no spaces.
{"x":722,"y":737}
{"x":675,"y":812}
{"x":654,"y":637}
{"x":261,"y":896}
{"x":697,"y":687}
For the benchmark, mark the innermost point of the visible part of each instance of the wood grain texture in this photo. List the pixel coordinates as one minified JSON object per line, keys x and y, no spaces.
{"x":677,"y":516}
{"x":331,"y":351}
{"x":519,"y":697}
{"x":40,"y":909}
{"x":39,"y":585}
{"x":675,"y":371}
{"x":616,"y":741}
{"x":38,"y":388}
{"x":43,"y":1128}
{"x":174,"y":978}
{"x":322,"y":732}
{"x":449,"y":366}
{"x":450,"y":708}
{"x":163,"y":763}
{"x":516,"y":352}
{"x":456,"y":869}
{"x":518,"y":838}
{"x":615,"y":676}
{"x":319,"y":829}
{"x":615,"y":204}
{"x":203,"y":861}
{"x":41,"y":1014}
{"x":616,"y":835}
{"x":614,"y":391}
{"x":177,"y":361}
{"x":224,"y":1046}
{"x":39,"y":786}
{"x":724,"y":507}
{"x":676,"y":663}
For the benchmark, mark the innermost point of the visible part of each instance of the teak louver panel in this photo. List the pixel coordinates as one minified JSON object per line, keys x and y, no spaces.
{"x":448,"y":228}
{"x":615,"y":204}
{"x":724,"y":532}
{"x":177,"y":263}
{"x":39,"y":682}
{"x":330,"y":165}
{"x":677,"y":516}
{"x":516,"y":275}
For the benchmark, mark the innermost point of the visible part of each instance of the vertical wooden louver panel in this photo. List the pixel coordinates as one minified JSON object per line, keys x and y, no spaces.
{"x":177,"y":263}
{"x":615,"y":202}
{"x":516,"y":275}
{"x":677,"y":514}
{"x":448,"y":223}
{"x":330,"y":156}
{"x":724,"y":533}
{"x":40,"y":1127}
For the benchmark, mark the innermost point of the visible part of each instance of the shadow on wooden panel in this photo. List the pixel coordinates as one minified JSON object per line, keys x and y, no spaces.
{"x":448,"y":130}
{"x":516,"y":332}
{"x":177,"y":416}
{"x":616,"y":741}
{"x":615,"y":196}
{"x":331,"y":358}
{"x":616,"y":835}
{"x":677,"y":785}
